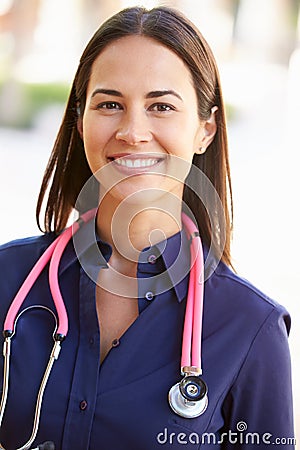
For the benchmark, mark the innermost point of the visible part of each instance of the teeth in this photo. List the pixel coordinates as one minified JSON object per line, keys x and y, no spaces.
{"x":136,"y":163}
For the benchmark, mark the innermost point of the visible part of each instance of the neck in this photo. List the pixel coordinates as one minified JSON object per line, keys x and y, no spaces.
{"x":129,"y":228}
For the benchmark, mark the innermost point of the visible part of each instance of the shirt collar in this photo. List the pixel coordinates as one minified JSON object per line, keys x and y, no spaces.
{"x":173,"y":255}
{"x":87,"y":248}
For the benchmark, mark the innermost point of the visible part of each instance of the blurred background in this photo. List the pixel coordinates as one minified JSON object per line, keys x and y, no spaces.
{"x":257,"y":46}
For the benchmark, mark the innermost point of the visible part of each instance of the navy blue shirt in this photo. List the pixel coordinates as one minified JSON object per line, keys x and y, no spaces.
{"x":122,"y":404}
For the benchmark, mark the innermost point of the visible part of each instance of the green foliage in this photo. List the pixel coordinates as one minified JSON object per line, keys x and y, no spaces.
{"x":230,"y":112}
{"x":20,"y":103}
{"x":41,"y":95}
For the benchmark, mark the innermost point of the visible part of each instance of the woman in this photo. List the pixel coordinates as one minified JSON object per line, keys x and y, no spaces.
{"x":143,"y":138}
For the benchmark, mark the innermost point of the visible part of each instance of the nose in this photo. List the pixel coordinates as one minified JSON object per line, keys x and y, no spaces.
{"x":134,"y":128}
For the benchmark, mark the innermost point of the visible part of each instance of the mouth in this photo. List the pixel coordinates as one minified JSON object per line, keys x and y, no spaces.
{"x":132,"y":163}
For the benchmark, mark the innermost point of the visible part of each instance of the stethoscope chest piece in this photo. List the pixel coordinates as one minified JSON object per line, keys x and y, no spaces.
{"x":188,"y":398}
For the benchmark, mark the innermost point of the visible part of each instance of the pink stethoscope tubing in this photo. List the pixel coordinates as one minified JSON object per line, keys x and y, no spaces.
{"x":192,"y":331}
{"x":53,"y":254}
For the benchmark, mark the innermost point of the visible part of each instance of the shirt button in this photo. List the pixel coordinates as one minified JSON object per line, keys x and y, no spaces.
{"x":152,"y":259}
{"x":149,"y":296}
{"x":83,"y":405}
{"x":115,"y":343}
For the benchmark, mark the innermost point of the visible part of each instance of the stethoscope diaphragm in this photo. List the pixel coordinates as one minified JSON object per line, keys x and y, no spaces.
{"x":188,"y":398}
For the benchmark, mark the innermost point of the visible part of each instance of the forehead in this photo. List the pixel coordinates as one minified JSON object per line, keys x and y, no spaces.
{"x":139,"y":59}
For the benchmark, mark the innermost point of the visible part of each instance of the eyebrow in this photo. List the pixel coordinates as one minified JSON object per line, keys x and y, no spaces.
{"x":107,"y":92}
{"x":152,"y":94}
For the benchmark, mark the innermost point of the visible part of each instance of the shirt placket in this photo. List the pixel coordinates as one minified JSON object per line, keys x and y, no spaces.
{"x":81,"y":409}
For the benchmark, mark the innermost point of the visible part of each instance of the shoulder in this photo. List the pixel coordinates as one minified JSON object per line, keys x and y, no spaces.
{"x":240,"y":301}
{"x":244,"y":290}
{"x":26,"y":247}
{"x":17,"y":258}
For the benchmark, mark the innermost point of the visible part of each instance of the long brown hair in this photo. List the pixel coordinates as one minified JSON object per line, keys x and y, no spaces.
{"x":68,"y":168}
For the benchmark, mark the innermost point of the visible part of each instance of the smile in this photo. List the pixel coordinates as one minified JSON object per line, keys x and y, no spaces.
{"x":133,"y":163}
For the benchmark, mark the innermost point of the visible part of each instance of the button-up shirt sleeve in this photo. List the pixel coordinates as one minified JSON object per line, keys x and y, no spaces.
{"x":258,"y":407}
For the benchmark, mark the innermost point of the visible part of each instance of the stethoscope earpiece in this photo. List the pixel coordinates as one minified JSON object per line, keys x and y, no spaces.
{"x":188,"y":398}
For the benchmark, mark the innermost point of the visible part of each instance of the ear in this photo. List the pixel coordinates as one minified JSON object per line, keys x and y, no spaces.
{"x":209,"y":129}
{"x":79,"y":122}
{"x":80,"y":127}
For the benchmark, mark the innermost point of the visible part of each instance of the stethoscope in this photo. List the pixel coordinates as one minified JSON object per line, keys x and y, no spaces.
{"x":188,"y":398}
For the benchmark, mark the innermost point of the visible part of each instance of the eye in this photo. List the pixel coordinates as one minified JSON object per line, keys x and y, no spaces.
{"x":109,"y":106}
{"x":162,"y":107}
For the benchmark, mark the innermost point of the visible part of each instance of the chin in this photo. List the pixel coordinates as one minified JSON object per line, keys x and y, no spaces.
{"x":147,"y":192}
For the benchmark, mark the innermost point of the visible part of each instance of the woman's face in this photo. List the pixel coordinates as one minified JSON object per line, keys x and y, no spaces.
{"x":140,"y":122}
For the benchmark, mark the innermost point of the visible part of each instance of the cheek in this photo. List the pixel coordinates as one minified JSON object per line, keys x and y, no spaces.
{"x":94,"y":139}
{"x":91,"y":135}
{"x":182,"y":137}
{"x":182,"y":144}
{"x":92,"y":148}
